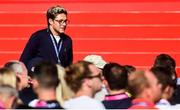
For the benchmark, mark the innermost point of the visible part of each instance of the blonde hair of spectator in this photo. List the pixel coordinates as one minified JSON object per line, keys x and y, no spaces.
{"x":17,"y":66}
{"x":8,"y":91}
{"x":21,"y":72}
{"x":8,"y":77}
{"x":8,"y":94}
{"x":63,"y":92}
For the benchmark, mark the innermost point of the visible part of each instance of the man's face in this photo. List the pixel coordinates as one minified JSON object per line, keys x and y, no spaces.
{"x":155,"y":86}
{"x":96,"y":78}
{"x":23,"y":77}
{"x":35,"y":85}
{"x":59,"y":23}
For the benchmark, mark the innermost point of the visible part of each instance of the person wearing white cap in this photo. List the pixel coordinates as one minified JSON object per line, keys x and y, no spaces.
{"x":99,"y":62}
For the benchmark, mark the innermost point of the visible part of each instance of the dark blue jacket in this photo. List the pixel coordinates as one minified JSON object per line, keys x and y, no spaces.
{"x":40,"y":47}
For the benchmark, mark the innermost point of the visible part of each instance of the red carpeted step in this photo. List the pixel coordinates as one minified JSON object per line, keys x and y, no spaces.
{"x":114,"y":45}
{"x":147,"y":31}
{"x":35,"y":7}
{"x":131,"y":58}
{"x":42,"y":1}
{"x":24,"y":31}
{"x":6,"y":56}
{"x":127,"y":45}
{"x":126,"y":18}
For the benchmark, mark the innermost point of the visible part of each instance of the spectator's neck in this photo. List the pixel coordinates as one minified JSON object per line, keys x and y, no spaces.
{"x":112,"y":92}
{"x":84,"y":93}
{"x":47,"y":94}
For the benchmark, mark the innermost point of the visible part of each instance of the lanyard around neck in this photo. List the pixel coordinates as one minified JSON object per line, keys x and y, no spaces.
{"x":57,"y":46}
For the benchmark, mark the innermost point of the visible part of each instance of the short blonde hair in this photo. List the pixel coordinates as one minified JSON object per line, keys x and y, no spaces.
{"x":137,"y":82}
{"x":8,"y":77}
{"x":63,"y":92}
{"x":52,"y":12}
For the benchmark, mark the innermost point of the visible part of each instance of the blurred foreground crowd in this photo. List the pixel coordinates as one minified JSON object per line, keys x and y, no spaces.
{"x":91,"y":83}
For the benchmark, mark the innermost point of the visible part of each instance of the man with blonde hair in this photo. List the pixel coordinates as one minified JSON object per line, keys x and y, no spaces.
{"x":84,"y":78}
{"x":50,"y":44}
{"x":24,"y":86}
{"x":21,"y":72}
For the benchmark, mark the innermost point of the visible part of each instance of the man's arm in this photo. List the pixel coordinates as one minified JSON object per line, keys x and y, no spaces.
{"x":30,"y":50}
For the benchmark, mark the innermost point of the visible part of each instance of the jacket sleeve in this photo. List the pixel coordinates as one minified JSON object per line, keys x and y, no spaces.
{"x":31,"y":49}
{"x":70,"y":54}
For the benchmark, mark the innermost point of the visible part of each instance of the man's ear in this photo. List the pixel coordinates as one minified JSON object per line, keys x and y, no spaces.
{"x":50,"y":21}
{"x":87,"y":83}
{"x":105,"y":83}
{"x":18,"y":75}
{"x":35,"y":83}
{"x":169,"y":90}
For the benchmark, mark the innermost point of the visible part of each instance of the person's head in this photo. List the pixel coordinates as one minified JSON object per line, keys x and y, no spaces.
{"x":63,"y":92}
{"x":45,"y":76}
{"x":165,"y":79}
{"x":21,"y":72}
{"x":144,"y":84}
{"x":8,"y":77}
{"x":97,"y":60}
{"x":8,"y":95}
{"x":129,"y":68}
{"x":57,"y":19}
{"x":83,"y":75}
{"x":116,"y":76}
{"x":166,"y":61}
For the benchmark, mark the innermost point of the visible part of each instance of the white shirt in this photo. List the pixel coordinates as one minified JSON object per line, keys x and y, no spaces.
{"x":163,"y":104}
{"x":57,"y":38}
{"x":84,"y":102}
{"x":33,"y":103}
{"x":101,"y":94}
{"x":178,"y":81}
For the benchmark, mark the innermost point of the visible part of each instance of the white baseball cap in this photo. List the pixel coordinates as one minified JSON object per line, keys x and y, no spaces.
{"x":96,"y":60}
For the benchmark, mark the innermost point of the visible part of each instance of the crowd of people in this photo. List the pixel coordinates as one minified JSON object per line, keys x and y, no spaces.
{"x":45,"y":77}
{"x":91,"y":83}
